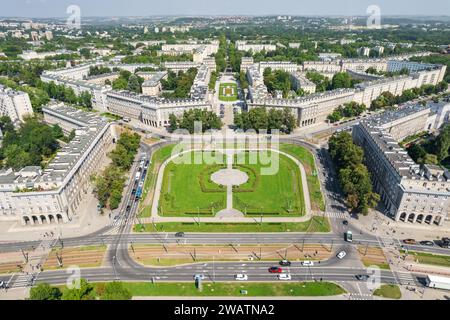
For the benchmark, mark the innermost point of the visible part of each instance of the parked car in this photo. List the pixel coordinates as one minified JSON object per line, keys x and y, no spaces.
{"x":285,"y":276}
{"x":241,"y":277}
{"x":307,"y":263}
{"x":285,"y":263}
{"x":179,"y":234}
{"x":2,"y":285}
{"x":409,"y":241}
{"x":341,"y":255}
{"x":427,"y":243}
{"x":275,"y":270}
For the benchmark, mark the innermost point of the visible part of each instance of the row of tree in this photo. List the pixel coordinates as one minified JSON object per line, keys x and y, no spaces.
{"x":109,"y":185}
{"x":353,"y":174}
{"x":348,"y":110}
{"x":28,"y":145}
{"x":387,"y":99}
{"x":208,"y":119}
{"x":85,"y":291}
{"x":66,"y":94}
{"x":260,"y":119}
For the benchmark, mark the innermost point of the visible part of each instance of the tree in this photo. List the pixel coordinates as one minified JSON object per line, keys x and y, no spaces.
{"x":289,"y":121}
{"x":116,"y":291}
{"x":134,"y":84}
{"x":173,"y":123}
{"x":44,"y":291}
{"x":341,"y":80}
{"x":84,"y":292}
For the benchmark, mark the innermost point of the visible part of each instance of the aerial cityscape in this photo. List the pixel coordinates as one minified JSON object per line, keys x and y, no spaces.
{"x":251,"y":155}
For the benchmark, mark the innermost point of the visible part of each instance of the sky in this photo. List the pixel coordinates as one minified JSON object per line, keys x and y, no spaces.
{"x":58,"y":8}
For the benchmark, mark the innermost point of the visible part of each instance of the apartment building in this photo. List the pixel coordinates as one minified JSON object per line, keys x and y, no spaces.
{"x":53,"y":195}
{"x":254,"y":47}
{"x":411,"y":193}
{"x":14,"y":104}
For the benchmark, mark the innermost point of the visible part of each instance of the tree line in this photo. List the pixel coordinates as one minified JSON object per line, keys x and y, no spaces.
{"x":208,"y":119}
{"x":387,"y":99}
{"x":109,"y":185}
{"x":262,"y":119}
{"x":354,"y":176}
{"x":32,"y":144}
{"x":85,"y":291}
{"x":348,"y":110}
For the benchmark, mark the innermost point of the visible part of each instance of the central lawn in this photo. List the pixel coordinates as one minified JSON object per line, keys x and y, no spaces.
{"x":234,"y":289}
{"x":223,"y":91}
{"x":307,"y":159}
{"x":280,"y":194}
{"x":390,"y":291}
{"x":182,"y":194}
{"x":316,"y":224}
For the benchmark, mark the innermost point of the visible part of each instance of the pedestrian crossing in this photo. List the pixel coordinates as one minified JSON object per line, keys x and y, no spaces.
{"x":360,"y":296}
{"x":405,"y":278}
{"x":337,"y":215}
{"x":22,"y":280}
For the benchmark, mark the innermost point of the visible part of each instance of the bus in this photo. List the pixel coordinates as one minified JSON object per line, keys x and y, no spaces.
{"x":349,"y":236}
{"x":438,"y":282}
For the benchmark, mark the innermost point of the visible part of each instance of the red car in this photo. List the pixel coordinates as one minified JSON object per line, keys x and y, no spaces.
{"x":275,"y":270}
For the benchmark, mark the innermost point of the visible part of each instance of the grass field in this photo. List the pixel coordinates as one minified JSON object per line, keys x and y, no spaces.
{"x":280,"y":194}
{"x":389,"y":291}
{"x":316,"y":224}
{"x":307,"y":159}
{"x":234,"y":289}
{"x":182,"y":194}
{"x":433,"y":259}
{"x":228,"y":92}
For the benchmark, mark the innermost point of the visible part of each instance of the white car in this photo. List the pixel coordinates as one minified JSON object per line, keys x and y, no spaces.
{"x":341,"y":255}
{"x":241,"y":277}
{"x":307,"y":263}
{"x":284,"y":276}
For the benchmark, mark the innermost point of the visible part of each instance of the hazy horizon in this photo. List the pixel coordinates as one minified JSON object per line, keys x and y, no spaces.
{"x":143,"y":8}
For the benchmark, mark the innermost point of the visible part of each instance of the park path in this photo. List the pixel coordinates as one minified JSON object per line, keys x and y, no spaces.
{"x":156,"y":218}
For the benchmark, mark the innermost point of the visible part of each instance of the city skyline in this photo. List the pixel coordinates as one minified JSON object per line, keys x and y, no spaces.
{"x":53,"y":8}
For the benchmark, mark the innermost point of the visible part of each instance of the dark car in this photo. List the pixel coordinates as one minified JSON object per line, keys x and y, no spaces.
{"x":133,"y":192}
{"x":345,"y":223}
{"x":179,"y":234}
{"x":427,"y":243}
{"x":275,"y":270}
{"x":409,"y":241}
{"x":128,"y":208}
{"x":285,"y":263}
{"x":362,"y":277}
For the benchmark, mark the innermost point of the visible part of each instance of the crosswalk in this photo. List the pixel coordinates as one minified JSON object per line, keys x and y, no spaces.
{"x":359,"y":296}
{"x":405,"y":278}
{"x":336,"y":215}
{"x":22,"y":280}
